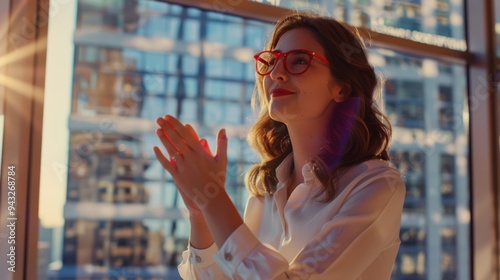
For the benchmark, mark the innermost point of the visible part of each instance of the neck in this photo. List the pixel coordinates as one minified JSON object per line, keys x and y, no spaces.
{"x":307,"y":141}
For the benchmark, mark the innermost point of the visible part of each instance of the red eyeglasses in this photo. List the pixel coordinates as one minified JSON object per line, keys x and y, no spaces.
{"x":296,"y":62}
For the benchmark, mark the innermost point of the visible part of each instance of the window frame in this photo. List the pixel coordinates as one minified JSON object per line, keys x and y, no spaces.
{"x":22,"y":136}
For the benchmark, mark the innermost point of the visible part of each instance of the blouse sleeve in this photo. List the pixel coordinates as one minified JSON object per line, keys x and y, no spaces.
{"x":199,"y":264}
{"x":366,"y":226}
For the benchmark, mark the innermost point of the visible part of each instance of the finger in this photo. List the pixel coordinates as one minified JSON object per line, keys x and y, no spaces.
{"x":173,"y":139}
{"x":221,"y":152}
{"x":193,"y":133}
{"x":181,"y":132}
{"x":167,"y":143}
{"x":167,"y":164}
{"x":205,"y":146}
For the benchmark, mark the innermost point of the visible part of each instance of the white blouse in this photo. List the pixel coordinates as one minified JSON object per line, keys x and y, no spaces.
{"x":354,"y":236}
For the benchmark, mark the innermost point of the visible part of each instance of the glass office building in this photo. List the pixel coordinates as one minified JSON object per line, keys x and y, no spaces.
{"x":137,"y":60}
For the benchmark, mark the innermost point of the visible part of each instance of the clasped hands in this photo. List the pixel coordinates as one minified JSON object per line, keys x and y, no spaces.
{"x":198,"y":174}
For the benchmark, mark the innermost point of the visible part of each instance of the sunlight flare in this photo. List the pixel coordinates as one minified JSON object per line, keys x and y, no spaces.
{"x":23,"y":52}
{"x":13,"y":15}
{"x":18,"y":85}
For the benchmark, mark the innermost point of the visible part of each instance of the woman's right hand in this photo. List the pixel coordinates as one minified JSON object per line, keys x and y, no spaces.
{"x":195,"y":214}
{"x":200,"y":236}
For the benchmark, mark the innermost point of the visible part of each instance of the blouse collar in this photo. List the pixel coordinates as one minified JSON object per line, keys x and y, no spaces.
{"x":284,"y":169}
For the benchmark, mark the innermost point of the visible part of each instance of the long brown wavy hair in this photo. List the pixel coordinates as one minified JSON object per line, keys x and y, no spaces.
{"x":358,"y":130}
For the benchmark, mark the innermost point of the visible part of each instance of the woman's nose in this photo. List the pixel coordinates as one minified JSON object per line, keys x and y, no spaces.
{"x":279,"y":71}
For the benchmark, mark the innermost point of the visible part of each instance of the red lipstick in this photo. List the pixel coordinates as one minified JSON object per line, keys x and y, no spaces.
{"x":280,"y":92}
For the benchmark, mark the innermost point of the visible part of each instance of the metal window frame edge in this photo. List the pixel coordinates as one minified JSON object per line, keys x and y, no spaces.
{"x":26,"y":33}
{"x":483,"y":135}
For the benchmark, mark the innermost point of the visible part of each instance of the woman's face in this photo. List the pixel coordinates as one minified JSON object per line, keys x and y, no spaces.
{"x":301,"y":98}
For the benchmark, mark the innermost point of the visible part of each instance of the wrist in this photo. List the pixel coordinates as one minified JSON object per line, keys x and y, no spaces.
{"x":200,"y":235}
{"x":222,"y":218}
{"x":197,"y":220}
{"x":208,"y":195}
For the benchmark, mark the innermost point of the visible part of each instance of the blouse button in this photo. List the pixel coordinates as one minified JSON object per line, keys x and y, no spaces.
{"x":198,"y":259}
{"x":228,"y":257}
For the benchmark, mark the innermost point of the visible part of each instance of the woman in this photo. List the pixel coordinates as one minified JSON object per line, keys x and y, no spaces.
{"x":324,"y":203}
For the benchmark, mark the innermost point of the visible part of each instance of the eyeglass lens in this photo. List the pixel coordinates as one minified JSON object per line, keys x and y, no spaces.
{"x":296,"y":62}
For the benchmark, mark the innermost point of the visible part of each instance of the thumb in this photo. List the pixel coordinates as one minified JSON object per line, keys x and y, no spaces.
{"x":221,"y":153}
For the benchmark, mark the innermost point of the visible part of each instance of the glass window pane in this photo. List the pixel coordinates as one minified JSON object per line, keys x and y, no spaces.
{"x":428,"y":147}
{"x":118,"y":210}
{"x":436,"y":22}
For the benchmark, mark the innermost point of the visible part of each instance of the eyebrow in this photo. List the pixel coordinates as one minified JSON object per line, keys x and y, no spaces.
{"x":280,"y":51}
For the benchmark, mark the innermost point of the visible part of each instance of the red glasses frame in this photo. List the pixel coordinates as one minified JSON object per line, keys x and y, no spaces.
{"x":278,"y":55}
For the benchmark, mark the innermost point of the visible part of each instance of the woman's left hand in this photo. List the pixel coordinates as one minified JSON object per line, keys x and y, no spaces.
{"x":195,"y":171}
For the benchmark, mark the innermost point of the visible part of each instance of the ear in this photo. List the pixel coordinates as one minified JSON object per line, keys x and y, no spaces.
{"x":340,"y":95}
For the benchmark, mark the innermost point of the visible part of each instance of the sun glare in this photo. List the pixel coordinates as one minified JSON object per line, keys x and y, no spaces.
{"x":23,"y":52}
{"x":14,"y":54}
{"x":18,"y":86}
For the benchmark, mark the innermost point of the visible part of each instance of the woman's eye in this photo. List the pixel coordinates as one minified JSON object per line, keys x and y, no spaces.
{"x":300,"y":61}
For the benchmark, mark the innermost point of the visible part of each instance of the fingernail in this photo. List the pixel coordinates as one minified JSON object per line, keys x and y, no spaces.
{"x":160,"y":121}
{"x":224,"y":136}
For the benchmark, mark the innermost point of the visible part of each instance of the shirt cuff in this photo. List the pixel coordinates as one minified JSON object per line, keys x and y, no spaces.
{"x":238,"y":245}
{"x":202,"y":258}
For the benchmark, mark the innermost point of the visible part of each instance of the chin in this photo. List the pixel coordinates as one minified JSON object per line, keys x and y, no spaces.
{"x":274,"y":117}
{"x":282,"y":113}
